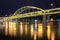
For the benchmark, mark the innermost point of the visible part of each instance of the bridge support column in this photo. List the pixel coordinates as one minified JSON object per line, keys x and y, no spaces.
{"x":44,"y":27}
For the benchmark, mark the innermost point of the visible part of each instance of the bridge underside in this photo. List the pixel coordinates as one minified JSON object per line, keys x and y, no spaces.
{"x":54,"y":16}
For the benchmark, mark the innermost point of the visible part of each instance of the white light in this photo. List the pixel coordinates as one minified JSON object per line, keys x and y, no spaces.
{"x":51,"y":4}
{"x":35,"y":24}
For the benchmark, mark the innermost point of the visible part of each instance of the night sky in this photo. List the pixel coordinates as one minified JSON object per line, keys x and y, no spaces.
{"x":8,"y":7}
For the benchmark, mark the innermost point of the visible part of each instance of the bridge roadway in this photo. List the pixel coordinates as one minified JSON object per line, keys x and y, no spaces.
{"x":37,"y":13}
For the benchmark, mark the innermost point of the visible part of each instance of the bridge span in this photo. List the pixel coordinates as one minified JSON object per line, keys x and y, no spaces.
{"x":33,"y":21}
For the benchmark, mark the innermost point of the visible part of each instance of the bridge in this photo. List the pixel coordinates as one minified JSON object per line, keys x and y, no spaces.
{"x":29,"y":16}
{"x":19,"y":12}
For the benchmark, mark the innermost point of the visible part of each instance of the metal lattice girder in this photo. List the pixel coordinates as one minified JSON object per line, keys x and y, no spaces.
{"x":32,"y":14}
{"x":20,"y":10}
{"x":49,"y":10}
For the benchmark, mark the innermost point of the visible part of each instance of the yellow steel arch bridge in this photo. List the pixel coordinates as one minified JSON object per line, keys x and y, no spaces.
{"x":18,"y":14}
{"x":14,"y":28}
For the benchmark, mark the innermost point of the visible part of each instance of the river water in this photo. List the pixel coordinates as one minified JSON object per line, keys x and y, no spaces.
{"x":28,"y":32}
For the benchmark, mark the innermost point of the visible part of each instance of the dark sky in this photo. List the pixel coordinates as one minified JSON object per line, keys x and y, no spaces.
{"x":10,"y":6}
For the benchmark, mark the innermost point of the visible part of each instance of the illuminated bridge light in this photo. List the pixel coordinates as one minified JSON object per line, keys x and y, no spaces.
{"x":35,"y":32}
{"x":40,"y":30}
{"x":35,"y":24}
{"x":21,"y":28}
{"x":51,"y":4}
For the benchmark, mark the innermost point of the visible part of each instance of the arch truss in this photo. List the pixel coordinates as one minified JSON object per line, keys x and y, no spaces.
{"x":18,"y":12}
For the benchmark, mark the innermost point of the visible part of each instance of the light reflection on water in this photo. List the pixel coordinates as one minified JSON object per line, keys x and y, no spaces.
{"x":48,"y":31}
{"x":52,"y":36}
{"x":40,"y":30}
{"x":39,"y":33}
{"x":35,"y":35}
{"x":32,"y":30}
{"x":21,"y":28}
{"x":26,"y":29}
{"x":6,"y":28}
